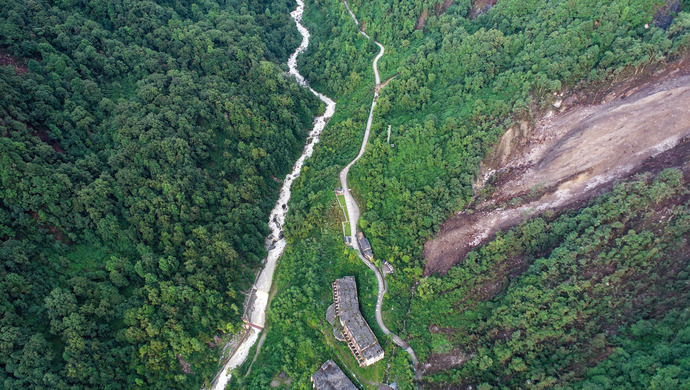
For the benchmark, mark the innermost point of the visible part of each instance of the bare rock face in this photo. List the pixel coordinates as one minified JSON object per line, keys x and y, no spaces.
{"x":186,"y":367}
{"x":510,"y":144}
{"x":665,"y":14}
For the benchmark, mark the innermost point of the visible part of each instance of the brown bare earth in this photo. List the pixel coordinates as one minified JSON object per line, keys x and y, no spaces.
{"x":568,"y":157}
{"x":8,"y":60}
{"x":441,"y":8}
{"x":481,"y":6}
{"x":421,"y":21}
{"x":438,"y":362}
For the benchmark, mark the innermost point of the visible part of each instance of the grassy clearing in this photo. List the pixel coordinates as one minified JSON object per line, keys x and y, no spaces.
{"x":343,"y":206}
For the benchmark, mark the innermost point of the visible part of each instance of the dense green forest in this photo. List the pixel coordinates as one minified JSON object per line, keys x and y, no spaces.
{"x":138,"y":141}
{"x":458,"y":82}
{"x":540,"y":303}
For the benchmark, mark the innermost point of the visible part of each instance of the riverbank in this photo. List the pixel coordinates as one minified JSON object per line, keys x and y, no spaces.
{"x":257,"y":301}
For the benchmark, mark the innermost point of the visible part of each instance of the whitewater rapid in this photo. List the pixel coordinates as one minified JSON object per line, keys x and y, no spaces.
{"x":275,"y":242}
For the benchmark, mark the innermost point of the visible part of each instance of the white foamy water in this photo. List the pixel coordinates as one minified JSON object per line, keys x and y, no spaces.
{"x":275,"y":242}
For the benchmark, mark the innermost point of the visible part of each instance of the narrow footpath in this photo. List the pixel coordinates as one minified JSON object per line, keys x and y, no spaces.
{"x":353,"y":208}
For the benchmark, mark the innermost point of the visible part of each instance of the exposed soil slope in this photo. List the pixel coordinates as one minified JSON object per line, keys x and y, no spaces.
{"x":568,"y":158}
{"x":8,"y":60}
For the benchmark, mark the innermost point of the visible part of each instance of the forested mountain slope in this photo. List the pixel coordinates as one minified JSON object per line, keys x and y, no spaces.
{"x":458,"y":81}
{"x":141,"y":142}
{"x":138,"y":141}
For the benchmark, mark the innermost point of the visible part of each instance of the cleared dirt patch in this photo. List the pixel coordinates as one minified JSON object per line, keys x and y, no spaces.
{"x":568,"y":158}
{"x":8,"y":60}
{"x":438,"y":362}
{"x":481,"y":6}
{"x":421,"y":21}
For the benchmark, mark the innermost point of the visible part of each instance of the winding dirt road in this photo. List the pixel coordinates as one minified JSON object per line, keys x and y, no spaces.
{"x":353,"y":208}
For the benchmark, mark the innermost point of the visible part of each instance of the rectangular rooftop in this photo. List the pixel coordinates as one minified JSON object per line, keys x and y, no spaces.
{"x":331,"y":377}
{"x":365,"y":246}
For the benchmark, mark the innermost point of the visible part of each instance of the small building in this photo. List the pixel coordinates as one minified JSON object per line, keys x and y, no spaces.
{"x":359,"y":336}
{"x":365,"y":246}
{"x":330,"y":314}
{"x":387,"y":267}
{"x":348,"y":240}
{"x":338,"y":334}
{"x":339,"y":191}
{"x":331,"y":377}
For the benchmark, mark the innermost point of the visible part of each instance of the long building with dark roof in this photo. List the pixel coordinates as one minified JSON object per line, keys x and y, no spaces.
{"x":359,"y":336}
{"x":331,"y":377}
{"x":365,"y":246}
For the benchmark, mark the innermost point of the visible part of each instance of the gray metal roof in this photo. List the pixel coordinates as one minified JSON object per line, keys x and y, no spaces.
{"x":352,"y":320}
{"x":331,"y":377}
{"x":347,"y":288}
{"x":358,"y":328}
{"x":363,"y":242}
